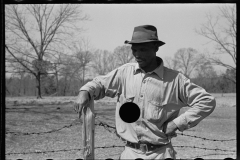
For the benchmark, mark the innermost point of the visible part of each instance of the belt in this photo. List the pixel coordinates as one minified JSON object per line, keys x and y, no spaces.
{"x":143,"y":147}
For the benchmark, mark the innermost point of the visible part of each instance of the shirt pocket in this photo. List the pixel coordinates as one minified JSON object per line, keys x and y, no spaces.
{"x":154,"y":90}
{"x":154,"y":111}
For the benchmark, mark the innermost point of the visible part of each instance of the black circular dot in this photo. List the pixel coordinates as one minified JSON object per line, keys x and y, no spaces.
{"x":138,"y":159}
{"x":228,"y":159}
{"x":129,"y":112}
{"x":198,"y":159}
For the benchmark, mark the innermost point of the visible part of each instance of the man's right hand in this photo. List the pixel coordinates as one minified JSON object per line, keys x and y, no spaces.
{"x":82,"y":100}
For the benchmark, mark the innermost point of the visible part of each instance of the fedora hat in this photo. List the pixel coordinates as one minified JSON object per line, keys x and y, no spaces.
{"x":144,"y":34}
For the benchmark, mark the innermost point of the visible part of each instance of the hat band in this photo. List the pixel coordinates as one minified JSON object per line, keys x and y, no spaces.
{"x":143,"y":36}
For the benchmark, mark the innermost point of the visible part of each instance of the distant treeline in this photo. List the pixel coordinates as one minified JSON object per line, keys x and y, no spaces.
{"x":26,"y":85}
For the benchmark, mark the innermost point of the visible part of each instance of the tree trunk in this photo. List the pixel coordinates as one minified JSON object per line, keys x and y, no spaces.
{"x":21,"y":84}
{"x":65,"y":86}
{"x":83,"y":74}
{"x":57,"y":84}
{"x":38,"y":85}
{"x":56,"y":76}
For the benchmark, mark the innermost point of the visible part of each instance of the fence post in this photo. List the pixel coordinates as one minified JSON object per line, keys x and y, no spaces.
{"x":88,"y":131}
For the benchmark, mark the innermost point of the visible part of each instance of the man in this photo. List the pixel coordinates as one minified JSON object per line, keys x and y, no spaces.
{"x":158,"y":91}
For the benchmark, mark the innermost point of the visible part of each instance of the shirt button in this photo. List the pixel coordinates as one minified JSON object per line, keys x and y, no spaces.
{"x":141,"y":96}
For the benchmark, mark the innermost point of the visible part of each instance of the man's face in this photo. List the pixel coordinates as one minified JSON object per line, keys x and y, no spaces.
{"x":144,"y":53}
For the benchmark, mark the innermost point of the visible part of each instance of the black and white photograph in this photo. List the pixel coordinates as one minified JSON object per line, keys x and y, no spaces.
{"x":120,"y":81}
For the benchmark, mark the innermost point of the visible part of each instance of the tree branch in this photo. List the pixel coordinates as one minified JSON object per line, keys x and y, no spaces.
{"x":20,"y":61}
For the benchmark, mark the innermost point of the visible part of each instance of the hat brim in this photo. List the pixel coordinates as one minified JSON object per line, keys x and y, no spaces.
{"x":160,"y":43}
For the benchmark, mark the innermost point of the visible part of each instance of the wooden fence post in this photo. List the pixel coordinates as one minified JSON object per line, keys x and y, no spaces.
{"x":88,"y":131}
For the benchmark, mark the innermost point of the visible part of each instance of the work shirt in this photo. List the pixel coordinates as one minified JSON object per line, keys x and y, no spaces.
{"x":160,"y":95}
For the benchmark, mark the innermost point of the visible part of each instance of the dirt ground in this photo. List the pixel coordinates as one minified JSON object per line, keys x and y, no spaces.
{"x":49,"y":128}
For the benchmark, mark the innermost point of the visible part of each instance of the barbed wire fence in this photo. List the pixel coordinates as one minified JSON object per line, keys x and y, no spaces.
{"x":112,"y":129}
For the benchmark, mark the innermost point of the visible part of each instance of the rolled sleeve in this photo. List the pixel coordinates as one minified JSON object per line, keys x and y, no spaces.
{"x":101,"y":86}
{"x":181,"y":123}
{"x":202,"y":105}
{"x":92,"y":88}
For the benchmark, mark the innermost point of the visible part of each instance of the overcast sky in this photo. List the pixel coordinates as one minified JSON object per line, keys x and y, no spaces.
{"x":112,"y":24}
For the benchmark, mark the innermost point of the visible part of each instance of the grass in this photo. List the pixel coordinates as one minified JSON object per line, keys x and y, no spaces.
{"x":34,"y":117}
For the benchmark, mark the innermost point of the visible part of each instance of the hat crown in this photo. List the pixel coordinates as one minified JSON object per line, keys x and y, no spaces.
{"x":145,"y":28}
{"x":144,"y":34}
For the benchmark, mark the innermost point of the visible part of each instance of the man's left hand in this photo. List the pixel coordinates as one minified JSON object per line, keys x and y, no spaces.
{"x":170,"y":129}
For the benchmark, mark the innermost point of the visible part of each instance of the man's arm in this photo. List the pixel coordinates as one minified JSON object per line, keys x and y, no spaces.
{"x":107,"y":85}
{"x":202,"y":104}
{"x":99,"y":87}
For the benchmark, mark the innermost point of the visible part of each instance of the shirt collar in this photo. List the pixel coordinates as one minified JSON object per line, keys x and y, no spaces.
{"x":158,"y":70}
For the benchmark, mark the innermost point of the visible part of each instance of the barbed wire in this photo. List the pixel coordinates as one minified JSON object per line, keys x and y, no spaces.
{"x":46,"y":132}
{"x":113,"y":146}
{"x":41,"y":152}
{"x":212,"y":149}
{"x":208,"y":139}
{"x":61,"y":150}
{"x":111,"y":129}
{"x":211,"y":154}
{"x":107,"y":127}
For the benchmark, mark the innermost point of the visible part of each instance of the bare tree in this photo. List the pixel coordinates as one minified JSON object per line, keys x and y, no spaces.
{"x":206,"y":70}
{"x":103,"y":62}
{"x":35,"y":32}
{"x":75,"y":65}
{"x":81,"y":57}
{"x":57,"y":66}
{"x":170,"y":63}
{"x":223,"y":35}
{"x":66,"y":73}
{"x":112,"y":62}
{"x":124,"y":54}
{"x":188,"y":59}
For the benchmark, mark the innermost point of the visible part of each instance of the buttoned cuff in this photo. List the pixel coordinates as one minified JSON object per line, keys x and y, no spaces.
{"x":181,"y":123}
